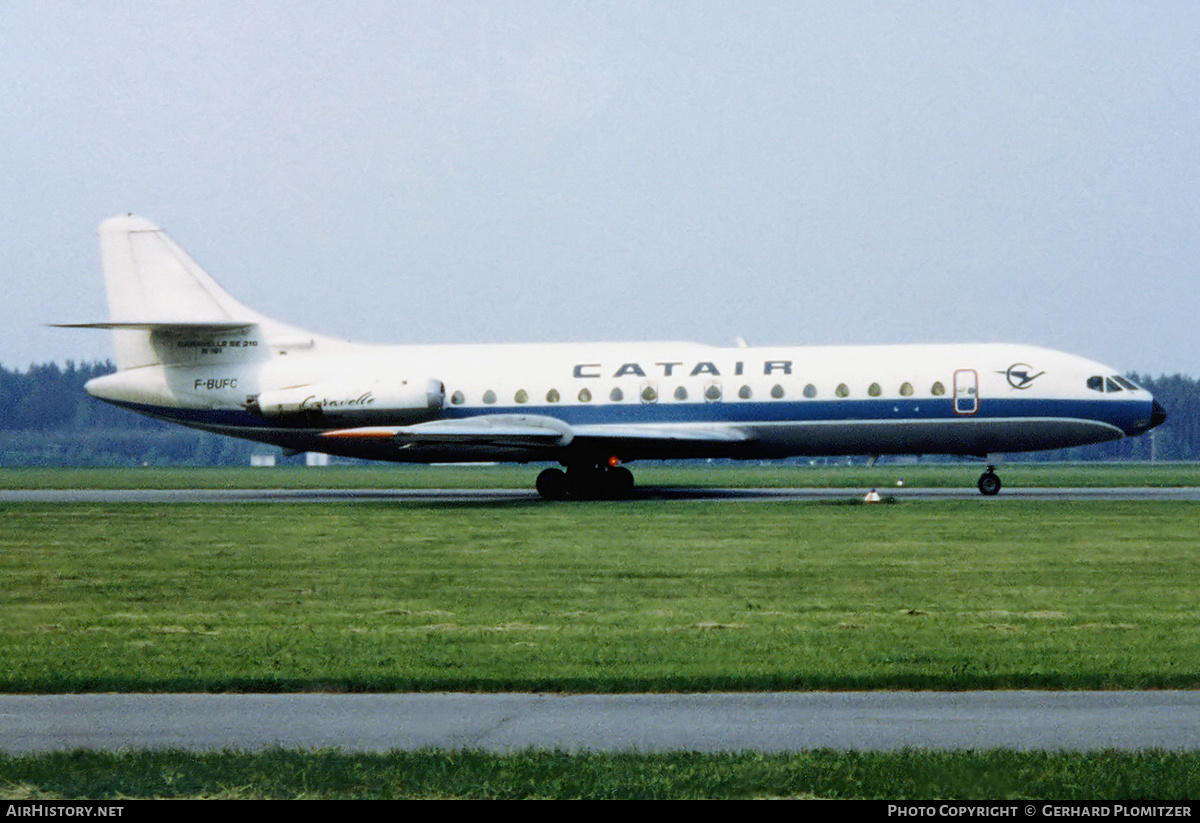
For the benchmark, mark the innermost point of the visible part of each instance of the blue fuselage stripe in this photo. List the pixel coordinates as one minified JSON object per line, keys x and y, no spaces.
{"x":1123,"y":414}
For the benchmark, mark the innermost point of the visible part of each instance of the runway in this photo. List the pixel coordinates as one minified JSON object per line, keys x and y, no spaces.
{"x":775,"y":722}
{"x":508,"y":496}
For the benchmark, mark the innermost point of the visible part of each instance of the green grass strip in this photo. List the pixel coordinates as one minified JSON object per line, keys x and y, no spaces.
{"x":599,"y":597}
{"x":913,"y":775}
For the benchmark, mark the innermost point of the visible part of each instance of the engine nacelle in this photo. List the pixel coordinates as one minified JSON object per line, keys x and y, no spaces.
{"x":393,"y":401}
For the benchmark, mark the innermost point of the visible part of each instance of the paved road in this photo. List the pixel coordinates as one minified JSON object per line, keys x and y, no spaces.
{"x":508,"y":722}
{"x":491,"y":496}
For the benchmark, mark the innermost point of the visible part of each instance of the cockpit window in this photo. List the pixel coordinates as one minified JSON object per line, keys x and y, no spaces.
{"x":1114,"y":383}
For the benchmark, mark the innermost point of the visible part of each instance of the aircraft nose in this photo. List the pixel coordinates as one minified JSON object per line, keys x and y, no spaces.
{"x":1158,"y":415}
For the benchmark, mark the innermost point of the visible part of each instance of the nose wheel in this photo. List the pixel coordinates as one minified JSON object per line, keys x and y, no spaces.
{"x":989,"y":482}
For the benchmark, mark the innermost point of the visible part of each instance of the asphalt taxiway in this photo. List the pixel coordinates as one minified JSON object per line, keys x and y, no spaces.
{"x":771,"y":722}
{"x":494,"y":496}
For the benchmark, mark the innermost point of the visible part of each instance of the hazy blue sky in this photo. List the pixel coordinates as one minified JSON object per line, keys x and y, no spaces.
{"x":799,"y":172}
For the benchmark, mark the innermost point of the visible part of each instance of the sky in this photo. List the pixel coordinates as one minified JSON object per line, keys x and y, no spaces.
{"x":793,"y":173}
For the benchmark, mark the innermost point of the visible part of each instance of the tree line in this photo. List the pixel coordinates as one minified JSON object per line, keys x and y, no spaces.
{"x":47,"y":419}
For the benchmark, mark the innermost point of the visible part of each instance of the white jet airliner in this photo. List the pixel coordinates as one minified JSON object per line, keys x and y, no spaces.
{"x":189,"y":353}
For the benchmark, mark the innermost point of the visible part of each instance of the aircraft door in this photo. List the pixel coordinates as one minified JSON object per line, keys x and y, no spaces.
{"x":966,"y":391}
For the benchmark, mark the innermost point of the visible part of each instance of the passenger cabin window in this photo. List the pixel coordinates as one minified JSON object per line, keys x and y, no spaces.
{"x":552,"y":396}
{"x":712,"y":393}
{"x":458,"y":398}
{"x":489,"y":396}
{"x":616,"y":395}
{"x":906,"y":390}
{"x":874,"y":390}
{"x":681,"y":393}
{"x":938,"y":389}
{"x":649,"y":395}
{"x":842,"y":390}
{"x":744,"y":393}
{"x":521,"y":396}
{"x":777,"y":391}
{"x":810,"y":391}
{"x":585,"y":396}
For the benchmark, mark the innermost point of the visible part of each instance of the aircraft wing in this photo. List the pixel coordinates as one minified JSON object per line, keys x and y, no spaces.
{"x":534,"y":431}
{"x":682,"y":433}
{"x":634,"y":441}
{"x":483,"y":430}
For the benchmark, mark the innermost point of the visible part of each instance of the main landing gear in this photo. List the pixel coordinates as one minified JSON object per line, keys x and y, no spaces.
{"x":586,"y":482}
{"x":989,"y":482}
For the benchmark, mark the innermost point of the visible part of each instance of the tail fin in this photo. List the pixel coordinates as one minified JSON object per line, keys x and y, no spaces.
{"x":150,"y":279}
{"x":156,"y":292}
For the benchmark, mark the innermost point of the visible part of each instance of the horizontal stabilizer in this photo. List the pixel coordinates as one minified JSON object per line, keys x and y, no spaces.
{"x":165,"y":326}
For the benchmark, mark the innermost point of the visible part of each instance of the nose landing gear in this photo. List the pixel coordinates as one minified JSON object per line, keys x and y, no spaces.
{"x":989,"y":482}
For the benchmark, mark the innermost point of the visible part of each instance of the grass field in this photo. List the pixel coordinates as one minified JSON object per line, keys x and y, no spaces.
{"x":642,"y":596}
{"x":599,"y":596}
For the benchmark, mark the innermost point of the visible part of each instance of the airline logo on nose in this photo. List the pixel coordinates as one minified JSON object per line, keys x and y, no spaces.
{"x":1020,"y":375}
